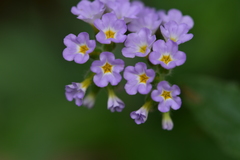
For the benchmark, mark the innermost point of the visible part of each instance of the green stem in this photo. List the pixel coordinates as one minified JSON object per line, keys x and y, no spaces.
{"x":148,"y":104}
{"x":88,"y":79}
{"x":110,"y":91}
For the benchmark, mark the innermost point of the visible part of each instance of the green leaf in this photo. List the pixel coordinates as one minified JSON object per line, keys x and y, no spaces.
{"x":216,"y":106}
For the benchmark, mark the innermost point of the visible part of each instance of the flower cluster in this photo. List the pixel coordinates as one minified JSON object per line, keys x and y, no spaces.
{"x":145,"y":32}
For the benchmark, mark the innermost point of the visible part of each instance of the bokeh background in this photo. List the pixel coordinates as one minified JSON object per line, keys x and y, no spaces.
{"x":38,"y":123}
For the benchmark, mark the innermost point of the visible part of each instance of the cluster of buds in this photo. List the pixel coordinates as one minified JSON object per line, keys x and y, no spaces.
{"x":147,"y":33}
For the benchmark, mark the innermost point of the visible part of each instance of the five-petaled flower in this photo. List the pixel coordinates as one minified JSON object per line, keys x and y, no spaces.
{"x":176,"y":15}
{"x":176,"y":32}
{"x":88,"y":11}
{"x":107,"y":70}
{"x":166,"y":54}
{"x":138,"y":44}
{"x":78,"y":47}
{"x":167,"y":96}
{"x":138,"y":78}
{"x":111,"y":29}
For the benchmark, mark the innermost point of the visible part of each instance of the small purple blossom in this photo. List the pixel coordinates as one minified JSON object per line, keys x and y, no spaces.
{"x":115,"y":104}
{"x":138,"y":78}
{"x":147,"y":18}
{"x":176,"y":15}
{"x":140,"y":116}
{"x":167,"y":123}
{"x":167,"y":54}
{"x":176,"y":32}
{"x":138,"y":44}
{"x":124,"y":10}
{"x":88,"y":11}
{"x":111,"y":29}
{"x":167,"y":96}
{"x":75,"y":91}
{"x":107,"y":70}
{"x":78,"y":48}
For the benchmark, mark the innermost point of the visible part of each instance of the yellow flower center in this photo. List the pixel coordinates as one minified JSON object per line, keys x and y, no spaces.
{"x":143,"y":48}
{"x":107,"y":68}
{"x":83,"y":49}
{"x":174,"y":39}
{"x":166,"y":59}
{"x":110,"y":34}
{"x":143,"y":78}
{"x":166,"y":95}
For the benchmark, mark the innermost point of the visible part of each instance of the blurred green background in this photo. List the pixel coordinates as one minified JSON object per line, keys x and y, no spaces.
{"x":38,"y":123}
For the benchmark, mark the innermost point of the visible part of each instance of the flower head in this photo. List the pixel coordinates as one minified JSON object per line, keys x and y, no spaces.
{"x":167,"y":123}
{"x":167,"y":54}
{"x":138,"y":44}
{"x":167,"y":96}
{"x":176,"y":15}
{"x":88,"y":11}
{"x":75,"y":91}
{"x":138,"y":78}
{"x":176,"y":32}
{"x":111,"y":29}
{"x":107,"y":70}
{"x":78,"y":47}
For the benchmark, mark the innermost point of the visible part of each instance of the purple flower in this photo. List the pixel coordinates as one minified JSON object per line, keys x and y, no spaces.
{"x":176,"y":15}
{"x":78,"y":48}
{"x":75,"y":91}
{"x":115,"y":104}
{"x":88,"y":11}
{"x":167,"y":54}
{"x":110,"y":29}
{"x":140,"y":116}
{"x":147,"y":18}
{"x":138,"y":44}
{"x":167,"y":123}
{"x":138,"y":79}
{"x":107,"y":70}
{"x":176,"y":32}
{"x":124,"y":10}
{"x":167,"y":96}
